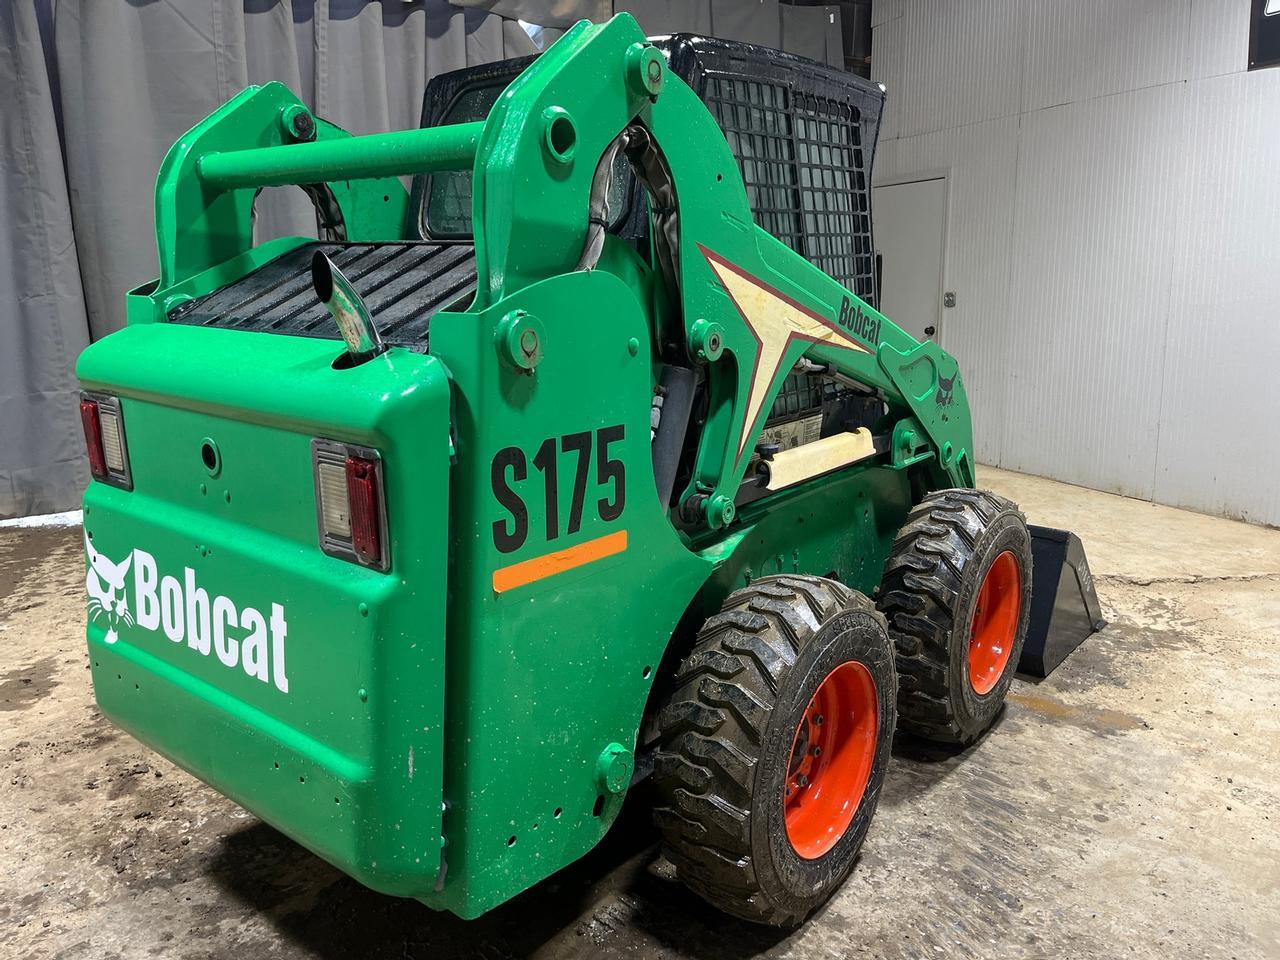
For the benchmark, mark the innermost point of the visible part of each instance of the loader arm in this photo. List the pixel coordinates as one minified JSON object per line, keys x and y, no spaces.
{"x":749,"y":306}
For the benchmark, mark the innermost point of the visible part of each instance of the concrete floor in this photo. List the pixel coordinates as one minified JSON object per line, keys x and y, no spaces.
{"x":1127,"y":806}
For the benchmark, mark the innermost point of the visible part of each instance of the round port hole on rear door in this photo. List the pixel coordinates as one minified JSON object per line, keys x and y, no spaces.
{"x":211,"y":457}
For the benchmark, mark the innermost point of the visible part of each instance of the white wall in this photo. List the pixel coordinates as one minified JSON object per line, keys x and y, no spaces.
{"x":1113,"y":235}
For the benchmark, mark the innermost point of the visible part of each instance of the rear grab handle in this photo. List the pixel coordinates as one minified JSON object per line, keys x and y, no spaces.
{"x":400,"y":153}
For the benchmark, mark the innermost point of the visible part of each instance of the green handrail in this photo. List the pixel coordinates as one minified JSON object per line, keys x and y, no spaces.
{"x":401,"y":153}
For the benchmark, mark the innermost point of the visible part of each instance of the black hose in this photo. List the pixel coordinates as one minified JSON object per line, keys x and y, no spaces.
{"x":677,"y":384}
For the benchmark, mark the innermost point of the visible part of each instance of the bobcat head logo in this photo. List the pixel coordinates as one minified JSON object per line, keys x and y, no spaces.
{"x":943,"y":397}
{"x":105,"y":585}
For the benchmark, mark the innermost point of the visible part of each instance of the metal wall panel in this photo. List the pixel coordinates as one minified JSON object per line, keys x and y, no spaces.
{"x":888,"y":53}
{"x":1094,"y":48}
{"x":882,"y":11}
{"x":1089,"y":286}
{"x":754,"y":21}
{"x":1219,"y":38}
{"x":964,"y":61}
{"x":1112,"y":235}
{"x":1217,"y":449}
{"x":813,"y":32}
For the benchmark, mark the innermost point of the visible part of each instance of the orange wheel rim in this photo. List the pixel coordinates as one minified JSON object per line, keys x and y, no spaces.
{"x":995,"y":622}
{"x":831,"y":758}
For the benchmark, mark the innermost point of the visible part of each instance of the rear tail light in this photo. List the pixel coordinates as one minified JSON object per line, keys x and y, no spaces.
{"x":350,"y":503}
{"x":363,"y":492}
{"x":93,"y":438}
{"x":104,"y":438}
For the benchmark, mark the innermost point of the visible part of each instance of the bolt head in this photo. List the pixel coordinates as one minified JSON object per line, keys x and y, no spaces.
{"x":521,"y":340}
{"x":614,"y":767}
{"x":706,"y":340}
{"x":644,"y":69}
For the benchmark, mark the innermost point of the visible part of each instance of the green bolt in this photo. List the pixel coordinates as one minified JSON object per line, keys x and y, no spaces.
{"x":613,"y":768}
{"x":644,"y":64}
{"x":298,"y":123}
{"x":706,"y":340}
{"x":719,"y":511}
{"x":521,"y":340}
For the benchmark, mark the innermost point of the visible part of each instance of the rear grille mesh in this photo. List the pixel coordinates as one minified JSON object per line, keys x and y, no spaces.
{"x":804,"y":169}
{"x":403,"y":284}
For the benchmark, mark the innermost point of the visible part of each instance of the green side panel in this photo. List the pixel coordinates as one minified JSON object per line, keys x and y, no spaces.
{"x":543,"y":677}
{"x":842,"y":526}
{"x":321,"y":706}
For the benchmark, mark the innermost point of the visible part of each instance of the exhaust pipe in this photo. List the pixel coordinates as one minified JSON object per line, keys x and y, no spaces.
{"x":347,"y":309}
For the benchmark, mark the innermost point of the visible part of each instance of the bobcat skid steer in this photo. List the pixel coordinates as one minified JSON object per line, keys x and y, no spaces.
{"x":587,"y":461}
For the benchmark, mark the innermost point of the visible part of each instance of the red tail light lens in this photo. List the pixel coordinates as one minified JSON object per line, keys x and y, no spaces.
{"x":362,"y":503}
{"x":92,"y":421}
{"x":351,"y":506}
{"x":104,"y":438}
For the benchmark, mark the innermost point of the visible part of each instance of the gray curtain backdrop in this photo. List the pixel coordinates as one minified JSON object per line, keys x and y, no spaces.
{"x":42,"y":310}
{"x":96,"y":91}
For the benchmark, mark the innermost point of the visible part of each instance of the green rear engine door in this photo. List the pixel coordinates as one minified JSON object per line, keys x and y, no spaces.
{"x":306,"y":687}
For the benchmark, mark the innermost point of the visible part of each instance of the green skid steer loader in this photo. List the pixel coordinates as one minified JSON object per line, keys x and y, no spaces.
{"x":576,"y":465}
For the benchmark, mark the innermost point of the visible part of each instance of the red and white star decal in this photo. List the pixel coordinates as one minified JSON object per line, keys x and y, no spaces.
{"x":776,"y":321}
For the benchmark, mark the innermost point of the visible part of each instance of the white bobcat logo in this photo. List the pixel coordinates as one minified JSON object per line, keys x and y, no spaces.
{"x":207,"y":623}
{"x":105,"y":586}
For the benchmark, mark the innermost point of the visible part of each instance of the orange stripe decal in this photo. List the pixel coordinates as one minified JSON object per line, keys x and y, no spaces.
{"x":549,"y":564}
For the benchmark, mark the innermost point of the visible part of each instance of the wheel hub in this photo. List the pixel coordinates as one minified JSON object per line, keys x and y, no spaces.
{"x":831,"y":759}
{"x":995,"y":623}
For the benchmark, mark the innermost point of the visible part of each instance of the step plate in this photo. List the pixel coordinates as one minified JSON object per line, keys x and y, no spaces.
{"x":403,"y":284}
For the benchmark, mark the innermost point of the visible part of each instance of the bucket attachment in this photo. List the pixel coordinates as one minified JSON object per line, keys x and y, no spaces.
{"x":1064,"y":604}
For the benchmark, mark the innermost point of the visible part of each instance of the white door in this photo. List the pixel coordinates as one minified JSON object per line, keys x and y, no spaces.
{"x":910,"y":225}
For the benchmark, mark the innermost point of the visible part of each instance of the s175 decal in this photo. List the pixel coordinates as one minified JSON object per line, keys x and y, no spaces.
{"x":509,"y":476}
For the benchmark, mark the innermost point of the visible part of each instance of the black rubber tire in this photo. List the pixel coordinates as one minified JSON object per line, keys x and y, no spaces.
{"x":930,"y":586}
{"x":726,"y":735}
